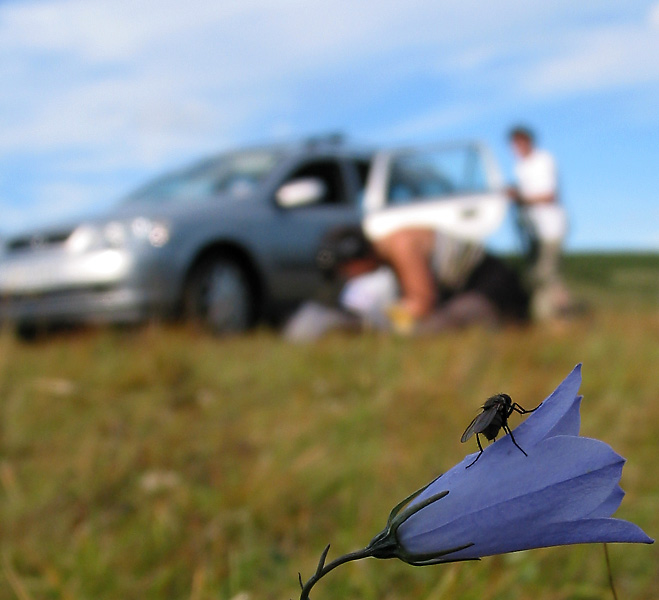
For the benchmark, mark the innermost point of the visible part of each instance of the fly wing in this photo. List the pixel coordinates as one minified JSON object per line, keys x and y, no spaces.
{"x":479,"y":423}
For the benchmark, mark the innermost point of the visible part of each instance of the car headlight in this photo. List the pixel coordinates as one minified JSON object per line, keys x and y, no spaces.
{"x":115,"y":234}
{"x":155,"y":232}
{"x":118,"y":234}
{"x":83,"y":238}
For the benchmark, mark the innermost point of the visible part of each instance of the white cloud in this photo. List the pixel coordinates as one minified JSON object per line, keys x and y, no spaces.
{"x":602,"y":58}
{"x":105,"y":31}
{"x":426,"y":125}
{"x":155,"y":77}
{"x":653,"y":16}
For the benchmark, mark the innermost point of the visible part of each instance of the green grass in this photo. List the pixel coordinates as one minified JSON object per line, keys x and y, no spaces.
{"x":162,"y":463}
{"x":615,"y":279}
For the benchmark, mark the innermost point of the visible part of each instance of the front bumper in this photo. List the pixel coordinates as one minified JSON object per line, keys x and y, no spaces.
{"x":48,"y":270}
{"x":77,"y":306}
{"x":105,"y":286}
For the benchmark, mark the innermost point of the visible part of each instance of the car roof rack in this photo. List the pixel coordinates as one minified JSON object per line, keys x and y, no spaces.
{"x":330,"y":139}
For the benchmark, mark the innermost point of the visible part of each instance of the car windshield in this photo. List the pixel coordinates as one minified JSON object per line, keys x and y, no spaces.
{"x":432,"y":174}
{"x":237,"y":175}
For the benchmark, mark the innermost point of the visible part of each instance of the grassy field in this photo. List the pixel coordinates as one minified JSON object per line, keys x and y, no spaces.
{"x":162,"y":463}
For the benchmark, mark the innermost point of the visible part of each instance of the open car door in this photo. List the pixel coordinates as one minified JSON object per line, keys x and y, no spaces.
{"x":454,"y":188}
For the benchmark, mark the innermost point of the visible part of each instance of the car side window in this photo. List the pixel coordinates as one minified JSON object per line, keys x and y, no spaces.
{"x":433,"y":175}
{"x":329,"y":173}
{"x":362,"y":169}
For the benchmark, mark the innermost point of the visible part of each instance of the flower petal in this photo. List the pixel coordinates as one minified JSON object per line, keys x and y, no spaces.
{"x":610,"y":505}
{"x":506,"y":474}
{"x":558,"y":414}
{"x":524,"y":515}
{"x":569,"y":423}
{"x":584,"y":531}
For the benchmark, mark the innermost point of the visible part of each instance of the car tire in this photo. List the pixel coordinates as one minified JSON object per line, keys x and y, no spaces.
{"x":28,"y":332}
{"x":219,"y":296}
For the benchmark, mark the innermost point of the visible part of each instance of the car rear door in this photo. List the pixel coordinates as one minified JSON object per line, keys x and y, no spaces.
{"x":456,"y":188}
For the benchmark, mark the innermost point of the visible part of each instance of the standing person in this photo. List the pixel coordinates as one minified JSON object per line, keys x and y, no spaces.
{"x":543,"y":222}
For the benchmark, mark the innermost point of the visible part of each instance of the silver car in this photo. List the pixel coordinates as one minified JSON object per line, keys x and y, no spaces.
{"x":233,"y":239}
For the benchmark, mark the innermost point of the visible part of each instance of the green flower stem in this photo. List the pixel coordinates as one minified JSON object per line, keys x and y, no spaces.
{"x":324,"y":569}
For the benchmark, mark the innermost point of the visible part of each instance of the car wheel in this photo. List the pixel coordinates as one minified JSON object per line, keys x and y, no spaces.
{"x":219,"y":296}
{"x":28,"y":332}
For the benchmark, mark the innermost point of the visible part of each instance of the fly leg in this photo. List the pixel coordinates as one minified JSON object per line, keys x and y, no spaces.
{"x":512,"y":437}
{"x":522,"y":411}
{"x":478,"y":441}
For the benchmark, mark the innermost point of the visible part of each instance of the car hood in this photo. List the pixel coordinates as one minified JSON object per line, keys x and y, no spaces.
{"x":171,"y":212}
{"x":174,"y":210}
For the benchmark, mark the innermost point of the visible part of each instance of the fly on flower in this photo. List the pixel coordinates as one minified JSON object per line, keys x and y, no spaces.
{"x":562,"y":492}
{"x":496,"y":411}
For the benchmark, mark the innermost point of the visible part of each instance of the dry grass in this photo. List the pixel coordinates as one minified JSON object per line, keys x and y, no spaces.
{"x":160,"y":463}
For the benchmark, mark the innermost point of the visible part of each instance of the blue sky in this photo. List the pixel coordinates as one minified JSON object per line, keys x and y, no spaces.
{"x":100,"y":95}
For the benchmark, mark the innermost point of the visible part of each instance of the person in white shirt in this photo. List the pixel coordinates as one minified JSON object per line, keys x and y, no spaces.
{"x":543,"y":222}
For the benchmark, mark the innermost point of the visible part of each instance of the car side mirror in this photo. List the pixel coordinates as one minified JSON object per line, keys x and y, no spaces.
{"x":301,"y":192}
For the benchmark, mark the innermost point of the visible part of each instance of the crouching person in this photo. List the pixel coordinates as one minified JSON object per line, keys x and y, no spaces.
{"x":414,"y":282}
{"x":357,"y":289}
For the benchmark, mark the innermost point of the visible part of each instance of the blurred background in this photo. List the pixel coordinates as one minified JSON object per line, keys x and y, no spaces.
{"x":99,"y":97}
{"x":162,"y":462}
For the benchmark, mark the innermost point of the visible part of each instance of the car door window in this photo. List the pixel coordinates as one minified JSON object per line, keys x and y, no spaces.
{"x":360,"y":169}
{"x":329,"y":173}
{"x":435,"y":174}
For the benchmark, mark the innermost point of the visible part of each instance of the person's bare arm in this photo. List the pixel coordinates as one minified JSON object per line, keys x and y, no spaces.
{"x":408,"y":251}
{"x":515,"y":195}
{"x":539,"y":199}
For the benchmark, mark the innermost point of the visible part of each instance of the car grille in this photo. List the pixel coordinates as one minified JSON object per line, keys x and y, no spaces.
{"x":37,"y":241}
